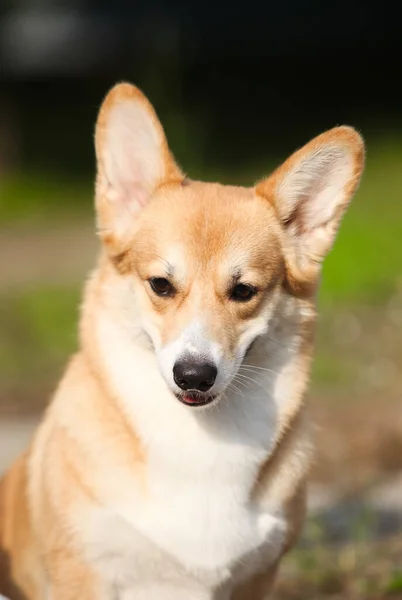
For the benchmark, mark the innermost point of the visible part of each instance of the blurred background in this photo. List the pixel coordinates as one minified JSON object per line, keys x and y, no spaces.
{"x":238,"y":87}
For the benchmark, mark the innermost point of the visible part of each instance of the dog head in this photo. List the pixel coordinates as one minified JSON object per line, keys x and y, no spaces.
{"x":207,"y":264}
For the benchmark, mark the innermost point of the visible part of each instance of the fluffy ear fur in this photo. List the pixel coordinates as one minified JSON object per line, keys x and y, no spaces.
{"x":311,"y":191}
{"x":133,"y":159}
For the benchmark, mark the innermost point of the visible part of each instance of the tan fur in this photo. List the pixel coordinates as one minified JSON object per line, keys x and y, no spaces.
{"x":206,"y":243}
{"x":88,"y":434}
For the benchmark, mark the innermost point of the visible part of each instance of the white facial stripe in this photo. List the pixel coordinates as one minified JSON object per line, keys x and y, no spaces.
{"x":193,"y":342}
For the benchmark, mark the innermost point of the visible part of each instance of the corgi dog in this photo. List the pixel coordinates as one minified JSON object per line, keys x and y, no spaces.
{"x":172,"y":461}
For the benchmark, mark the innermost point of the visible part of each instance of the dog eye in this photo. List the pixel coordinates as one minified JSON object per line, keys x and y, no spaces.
{"x":161,"y":286}
{"x":242,"y":292}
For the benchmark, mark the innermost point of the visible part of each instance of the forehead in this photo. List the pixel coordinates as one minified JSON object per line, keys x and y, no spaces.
{"x":207,"y":222}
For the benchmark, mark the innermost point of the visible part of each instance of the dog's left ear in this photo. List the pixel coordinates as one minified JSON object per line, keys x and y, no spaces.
{"x":311,"y":191}
{"x":133,"y":159}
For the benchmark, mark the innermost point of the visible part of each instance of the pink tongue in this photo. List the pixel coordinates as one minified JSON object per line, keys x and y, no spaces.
{"x":190,"y":399}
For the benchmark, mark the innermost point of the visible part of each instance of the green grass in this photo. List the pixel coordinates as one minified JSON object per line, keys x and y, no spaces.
{"x":38,"y":330}
{"x":36,"y":199}
{"x":365,"y":263}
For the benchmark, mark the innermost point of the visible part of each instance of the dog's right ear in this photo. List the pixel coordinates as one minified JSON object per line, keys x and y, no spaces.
{"x":133,"y":159}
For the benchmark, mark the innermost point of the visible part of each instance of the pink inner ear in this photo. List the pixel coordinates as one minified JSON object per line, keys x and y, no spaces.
{"x":314,"y":211}
{"x":133,"y":196}
{"x":140,"y":194}
{"x":127,"y":179}
{"x":132,"y":151}
{"x":314,"y":190}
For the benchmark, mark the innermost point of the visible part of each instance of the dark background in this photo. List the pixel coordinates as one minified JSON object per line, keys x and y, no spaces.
{"x":256,"y":75}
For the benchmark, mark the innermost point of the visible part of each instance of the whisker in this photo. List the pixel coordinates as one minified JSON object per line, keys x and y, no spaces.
{"x":245,"y":377}
{"x":255,"y":368}
{"x":240,"y":382}
{"x":248,"y":378}
{"x":260,"y":383}
{"x":232,"y":385}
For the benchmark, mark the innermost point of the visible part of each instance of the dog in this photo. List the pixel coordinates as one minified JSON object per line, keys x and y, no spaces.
{"x":172,"y":461}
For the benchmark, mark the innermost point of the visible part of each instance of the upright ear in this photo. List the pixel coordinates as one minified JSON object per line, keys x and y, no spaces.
{"x":133,"y":159}
{"x":310,"y":192}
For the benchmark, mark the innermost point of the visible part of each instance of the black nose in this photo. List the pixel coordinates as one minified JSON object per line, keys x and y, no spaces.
{"x":191,"y":375}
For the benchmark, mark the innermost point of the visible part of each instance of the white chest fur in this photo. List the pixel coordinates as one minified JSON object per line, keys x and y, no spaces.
{"x":201,"y":530}
{"x":195,"y":523}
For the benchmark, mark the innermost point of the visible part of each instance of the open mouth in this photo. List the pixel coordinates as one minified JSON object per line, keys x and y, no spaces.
{"x":193,"y":398}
